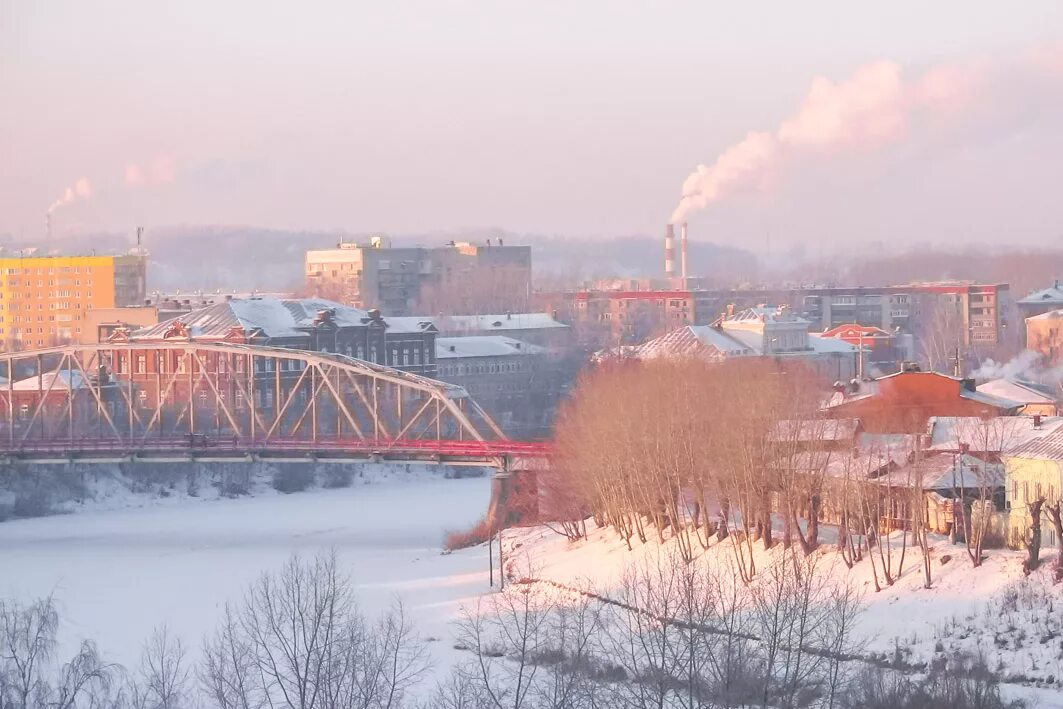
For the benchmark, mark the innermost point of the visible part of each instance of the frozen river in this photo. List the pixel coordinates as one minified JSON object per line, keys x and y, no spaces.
{"x":117,"y":574}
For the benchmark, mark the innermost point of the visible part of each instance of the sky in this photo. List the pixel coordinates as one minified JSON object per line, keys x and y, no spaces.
{"x":562,"y":118}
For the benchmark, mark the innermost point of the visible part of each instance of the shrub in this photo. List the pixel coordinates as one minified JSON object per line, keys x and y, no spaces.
{"x":477,"y":534}
{"x":32,"y":503}
{"x":293,"y":478}
{"x":338,"y":476}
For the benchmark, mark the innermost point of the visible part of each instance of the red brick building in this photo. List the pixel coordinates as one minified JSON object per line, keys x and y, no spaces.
{"x":905,"y":401}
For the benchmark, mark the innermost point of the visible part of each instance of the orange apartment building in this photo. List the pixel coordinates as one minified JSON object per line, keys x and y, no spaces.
{"x":44,"y":300}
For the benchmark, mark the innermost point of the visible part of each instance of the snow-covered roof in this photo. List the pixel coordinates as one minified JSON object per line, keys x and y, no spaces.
{"x":1017,"y":390}
{"x":994,"y":435}
{"x":60,"y":380}
{"x":1047,"y":446}
{"x":497,"y":323}
{"x":483,"y":346}
{"x":766,"y":315}
{"x":693,"y":341}
{"x":273,"y":317}
{"x":409,"y":323}
{"x":945,"y":471}
{"x":830,"y":345}
{"x":815,"y":430}
{"x":1052,"y":294}
{"x":1050,"y":315}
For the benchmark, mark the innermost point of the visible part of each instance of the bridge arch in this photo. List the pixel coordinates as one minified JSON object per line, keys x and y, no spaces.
{"x":134,"y":395}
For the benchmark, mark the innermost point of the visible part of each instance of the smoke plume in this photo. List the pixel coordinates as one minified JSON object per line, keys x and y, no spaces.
{"x":874,"y":106}
{"x":81,"y":189}
{"x":1027,"y":365}
{"x":158,"y":171}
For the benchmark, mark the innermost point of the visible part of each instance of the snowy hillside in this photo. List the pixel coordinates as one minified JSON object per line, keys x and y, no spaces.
{"x":1016,"y":622}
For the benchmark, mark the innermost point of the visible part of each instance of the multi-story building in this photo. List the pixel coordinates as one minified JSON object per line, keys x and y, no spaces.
{"x":304,"y":324}
{"x":511,"y":379}
{"x":978,"y":312}
{"x":775,"y":333}
{"x":457,"y":278}
{"x":44,"y":299}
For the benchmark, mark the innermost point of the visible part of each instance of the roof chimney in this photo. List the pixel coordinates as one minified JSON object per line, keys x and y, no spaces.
{"x":683,"y":252}
{"x":669,"y":251}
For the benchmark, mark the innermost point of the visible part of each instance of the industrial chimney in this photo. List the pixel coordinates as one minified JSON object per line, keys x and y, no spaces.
{"x":683,"y":253}
{"x":669,"y":251}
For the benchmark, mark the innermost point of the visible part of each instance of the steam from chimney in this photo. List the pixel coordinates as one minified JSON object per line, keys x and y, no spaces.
{"x":81,"y":189}
{"x":669,"y":251}
{"x":872,"y":107}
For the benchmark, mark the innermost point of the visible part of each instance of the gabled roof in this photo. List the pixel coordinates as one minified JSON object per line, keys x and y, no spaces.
{"x":60,"y":380}
{"x":1052,"y":294}
{"x":694,"y":341}
{"x":483,"y":346}
{"x":855,"y":330}
{"x":268,"y":317}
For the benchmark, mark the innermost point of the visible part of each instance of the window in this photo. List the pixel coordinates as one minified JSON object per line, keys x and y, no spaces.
{"x":142,"y":364}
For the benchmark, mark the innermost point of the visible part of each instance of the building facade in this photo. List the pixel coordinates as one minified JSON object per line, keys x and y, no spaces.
{"x":460,"y":277}
{"x":980,"y":314}
{"x":775,"y":333}
{"x":44,"y":299}
{"x":299,"y":323}
{"x":1044,"y":335}
{"x":512,"y":380}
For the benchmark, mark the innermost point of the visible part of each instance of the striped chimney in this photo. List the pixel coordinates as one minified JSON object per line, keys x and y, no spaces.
{"x":683,"y":252}
{"x":669,"y":251}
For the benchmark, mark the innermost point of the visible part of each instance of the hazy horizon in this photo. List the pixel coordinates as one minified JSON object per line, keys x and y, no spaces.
{"x":902,"y":124}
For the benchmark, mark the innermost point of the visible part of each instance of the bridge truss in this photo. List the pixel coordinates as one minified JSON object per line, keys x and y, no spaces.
{"x":139,"y":398}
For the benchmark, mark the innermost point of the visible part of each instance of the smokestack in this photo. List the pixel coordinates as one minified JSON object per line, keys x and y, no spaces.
{"x":669,"y":251}
{"x":683,"y":253}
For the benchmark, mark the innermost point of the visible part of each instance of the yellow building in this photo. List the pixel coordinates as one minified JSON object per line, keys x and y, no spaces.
{"x":1034,"y":470}
{"x":44,"y":299}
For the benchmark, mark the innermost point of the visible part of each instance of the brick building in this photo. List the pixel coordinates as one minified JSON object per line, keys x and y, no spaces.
{"x":304,"y":324}
{"x":906,"y":401}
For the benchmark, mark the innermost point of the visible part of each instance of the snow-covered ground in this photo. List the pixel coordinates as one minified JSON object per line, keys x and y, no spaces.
{"x":1016,"y":622}
{"x":130,"y":562}
{"x":117,"y":573}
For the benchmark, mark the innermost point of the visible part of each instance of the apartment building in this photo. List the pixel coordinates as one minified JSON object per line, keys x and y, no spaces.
{"x":459,"y":277}
{"x":980,"y":313}
{"x":44,"y":299}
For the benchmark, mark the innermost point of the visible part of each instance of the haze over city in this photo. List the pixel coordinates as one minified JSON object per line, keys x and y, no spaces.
{"x":579,"y":119}
{"x":453,"y":354}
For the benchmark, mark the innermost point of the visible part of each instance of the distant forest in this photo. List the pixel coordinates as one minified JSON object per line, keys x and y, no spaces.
{"x":238,"y":258}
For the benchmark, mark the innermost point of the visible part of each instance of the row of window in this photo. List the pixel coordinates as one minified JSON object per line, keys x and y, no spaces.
{"x":481,"y":368}
{"x":51,"y":271}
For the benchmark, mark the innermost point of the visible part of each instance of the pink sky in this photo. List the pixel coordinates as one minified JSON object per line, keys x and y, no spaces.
{"x":546,"y":117}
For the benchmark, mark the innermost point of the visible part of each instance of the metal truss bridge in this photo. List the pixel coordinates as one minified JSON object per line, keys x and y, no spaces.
{"x":184,"y":400}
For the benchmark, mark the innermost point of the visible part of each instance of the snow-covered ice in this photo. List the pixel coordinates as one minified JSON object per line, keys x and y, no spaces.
{"x":116,"y":574}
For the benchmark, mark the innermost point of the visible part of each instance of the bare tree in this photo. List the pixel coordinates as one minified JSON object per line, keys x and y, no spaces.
{"x":164,"y":680}
{"x":299,"y":641}
{"x":28,"y":677}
